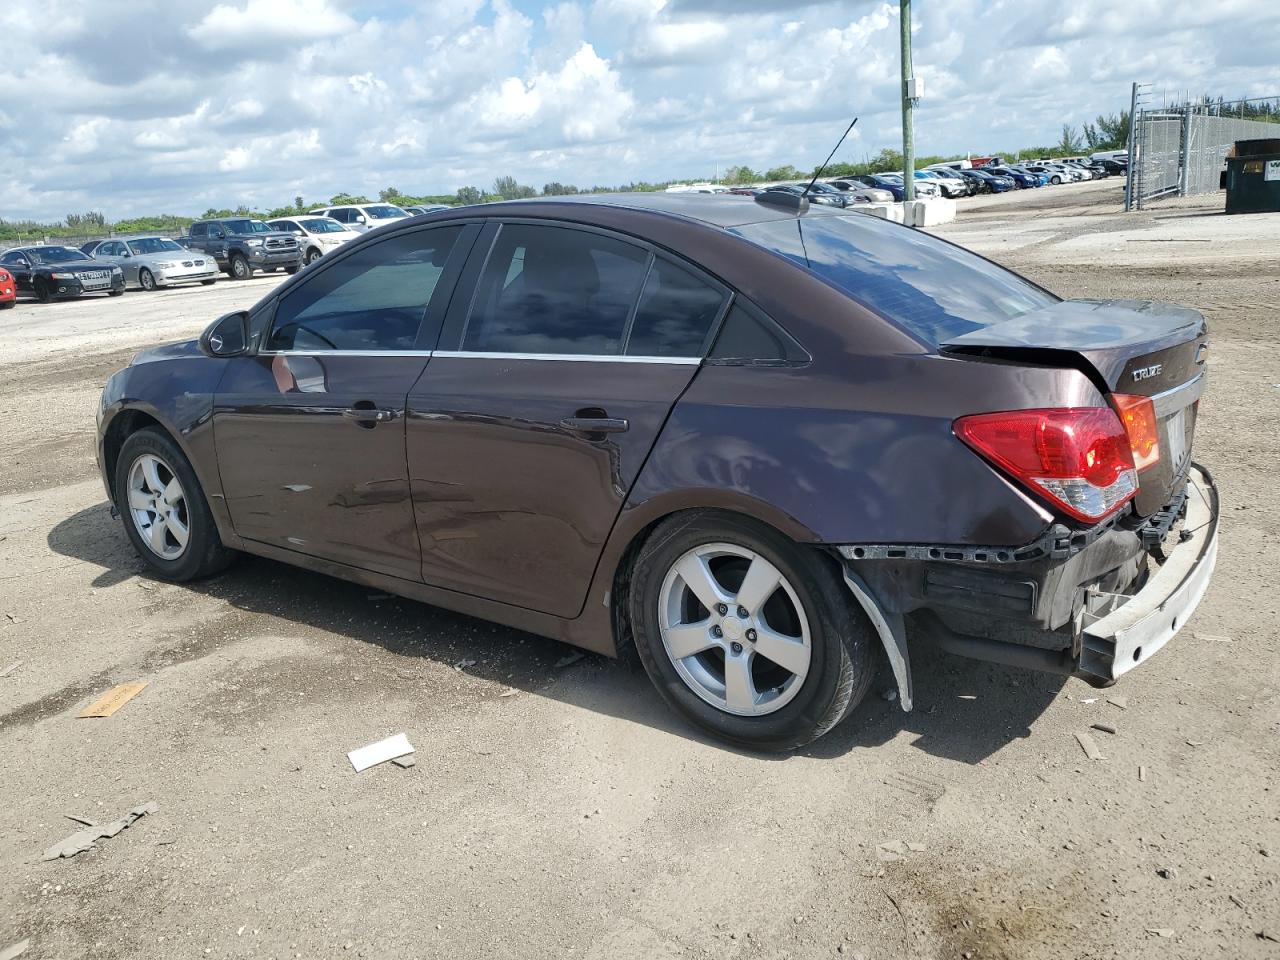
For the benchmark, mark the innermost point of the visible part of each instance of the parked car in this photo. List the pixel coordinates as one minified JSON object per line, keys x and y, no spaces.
{"x":743,"y":191}
{"x":241,"y":245}
{"x":1115,"y":168}
{"x":881,"y":182}
{"x":860,"y":191}
{"x":1021,"y":179}
{"x":576,"y":421}
{"x":953,"y":174}
{"x":8,"y":290}
{"x":989,"y":182}
{"x":950,"y":188}
{"x":55,"y":272}
{"x":1086,"y":171}
{"x":417,"y":209}
{"x":151,"y":262}
{"x":1055,"y":175}
{"x":363,"y":216}
{"x":924,"y":187}
{"x":1041,"y":179}
{"x":315,"y":235}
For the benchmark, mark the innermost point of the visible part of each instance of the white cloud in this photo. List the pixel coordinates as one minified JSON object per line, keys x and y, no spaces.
{"x":175,"y":106}
{"x":261,"y":24}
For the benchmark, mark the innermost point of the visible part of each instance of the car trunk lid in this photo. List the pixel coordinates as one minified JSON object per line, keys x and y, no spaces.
{"x":1136,"y":347}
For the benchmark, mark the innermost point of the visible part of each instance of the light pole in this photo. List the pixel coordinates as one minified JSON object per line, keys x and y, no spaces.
{"x":909,"y":93}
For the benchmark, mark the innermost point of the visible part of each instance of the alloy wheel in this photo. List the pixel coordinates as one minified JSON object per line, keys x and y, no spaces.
{"x":734,"y":629}
{"x":158,"y":506}
{"x":146,"y":280}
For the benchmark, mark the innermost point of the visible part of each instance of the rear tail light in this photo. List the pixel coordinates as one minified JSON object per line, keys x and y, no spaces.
{"x":1079,"y":458}
{"x":1139,"y":417}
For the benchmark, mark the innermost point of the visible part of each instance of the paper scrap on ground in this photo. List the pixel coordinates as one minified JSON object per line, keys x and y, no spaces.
{"x":380,"y":752}
{"x":83,"y":840}
{"x":10,"y":668}
{"x":113,"y":699}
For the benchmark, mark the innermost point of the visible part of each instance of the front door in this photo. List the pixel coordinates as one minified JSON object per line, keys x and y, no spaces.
{"x":536,"y":414}
{"x":310,"y":432}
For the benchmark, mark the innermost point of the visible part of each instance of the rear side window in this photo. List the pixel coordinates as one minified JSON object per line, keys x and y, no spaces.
{"x":199,"y":229}
{"x":555,"y":290}
{"x":374,"y":299}
{"x":675,"y":315}
{"x":933,"y":289}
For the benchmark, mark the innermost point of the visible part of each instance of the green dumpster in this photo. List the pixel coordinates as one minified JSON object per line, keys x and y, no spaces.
{"x":1253,"y":177}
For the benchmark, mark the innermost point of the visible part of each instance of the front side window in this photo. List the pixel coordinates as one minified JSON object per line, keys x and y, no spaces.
{"x":935,"y":290}
{"x":554,"y":290}
{"x":675,"y":316}
{"x":246,"y":227}
{"x":374,"y":299}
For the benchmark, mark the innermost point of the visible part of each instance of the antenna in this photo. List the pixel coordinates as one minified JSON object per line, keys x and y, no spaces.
{"x":817,"y":173}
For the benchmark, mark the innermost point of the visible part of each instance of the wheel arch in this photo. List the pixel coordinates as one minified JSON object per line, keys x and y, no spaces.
{"x":123,"y":425}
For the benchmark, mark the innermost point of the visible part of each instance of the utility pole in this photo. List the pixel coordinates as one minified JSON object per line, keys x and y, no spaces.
{"x":908,"y":97}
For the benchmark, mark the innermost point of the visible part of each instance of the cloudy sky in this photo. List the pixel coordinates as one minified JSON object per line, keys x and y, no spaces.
{"x":173,"y":106}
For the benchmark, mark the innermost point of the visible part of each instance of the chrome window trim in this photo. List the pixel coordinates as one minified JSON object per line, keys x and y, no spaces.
{"x":1175,"y":399}
{"x":470,"y":355}
{"x":579,"y":357}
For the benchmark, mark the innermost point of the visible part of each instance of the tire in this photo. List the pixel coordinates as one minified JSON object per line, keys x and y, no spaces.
{"x":312,"y":256}
{"x":239,"y":268}
{"x":146,"y":280}
{"x":782,"y":709}
{"x":8,"y":305}
{"x":209,"y":283}
{"x":41,"y":290}
{"x":203,"y":553}
{"x":115,"y":293}
{"x":1055,"y":180}
{"x":292,"y":270}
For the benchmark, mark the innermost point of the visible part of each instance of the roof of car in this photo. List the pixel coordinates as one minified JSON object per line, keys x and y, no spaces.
{"x":715,"y":209}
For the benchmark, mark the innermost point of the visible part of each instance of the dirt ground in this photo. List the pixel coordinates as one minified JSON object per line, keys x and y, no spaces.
{"x":562,"y":810}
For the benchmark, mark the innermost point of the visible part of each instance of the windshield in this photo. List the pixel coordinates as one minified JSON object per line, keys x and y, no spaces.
{"x":153,"y":245}
{"x":246,"y":226}
{"x":55,"y":255}
{"x":385,"y":212}
{"x":935,"y":290}
{"x":323,"y":225}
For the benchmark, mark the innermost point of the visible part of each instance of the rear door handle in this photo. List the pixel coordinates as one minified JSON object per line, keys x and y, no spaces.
{"x":368,"y":416}
{"x":595,"y":424}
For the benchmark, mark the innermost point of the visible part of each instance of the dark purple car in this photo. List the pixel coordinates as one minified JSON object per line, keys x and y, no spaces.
{"x":759,"y":443}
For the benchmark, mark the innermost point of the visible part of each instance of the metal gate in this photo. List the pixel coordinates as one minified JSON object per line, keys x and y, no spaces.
{"x":1182,"y":151}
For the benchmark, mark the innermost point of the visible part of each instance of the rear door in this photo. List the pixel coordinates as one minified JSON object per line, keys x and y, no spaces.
{"x":310,"y":432}
{"x":548,"y":390}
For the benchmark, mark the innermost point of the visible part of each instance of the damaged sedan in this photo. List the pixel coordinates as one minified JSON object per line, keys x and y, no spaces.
{"x":763,"y":443}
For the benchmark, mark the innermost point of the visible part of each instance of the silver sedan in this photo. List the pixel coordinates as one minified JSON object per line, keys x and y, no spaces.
{"x":152,"y":262}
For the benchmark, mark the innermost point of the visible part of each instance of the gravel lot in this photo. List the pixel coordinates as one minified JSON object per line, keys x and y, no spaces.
{"x":562,"y":810}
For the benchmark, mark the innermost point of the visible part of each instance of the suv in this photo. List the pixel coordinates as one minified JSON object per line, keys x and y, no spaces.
{"x":242,"y":245}
{"x":363,"y":216}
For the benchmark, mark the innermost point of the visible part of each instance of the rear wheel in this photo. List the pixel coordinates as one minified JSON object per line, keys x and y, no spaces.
{"x":210,"y":282}
{"x":164,"y":509}
{"x":748,"y":635}
{"x":240,"y":269}
{"x":146,"y":279}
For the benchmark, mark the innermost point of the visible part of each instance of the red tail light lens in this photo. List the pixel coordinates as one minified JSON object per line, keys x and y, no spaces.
{"x":1080,"y":458}
{"x":1139,"y":417}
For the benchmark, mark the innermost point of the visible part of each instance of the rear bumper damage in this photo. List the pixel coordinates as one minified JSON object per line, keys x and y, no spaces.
{"x":1091,"y":604}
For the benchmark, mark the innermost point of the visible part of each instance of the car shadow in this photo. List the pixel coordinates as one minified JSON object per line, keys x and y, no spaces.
{"x":964,"y":710}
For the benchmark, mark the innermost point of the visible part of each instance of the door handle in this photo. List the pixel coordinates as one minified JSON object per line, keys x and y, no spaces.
{"x":594,"y":424}
{"x":368,"y":416}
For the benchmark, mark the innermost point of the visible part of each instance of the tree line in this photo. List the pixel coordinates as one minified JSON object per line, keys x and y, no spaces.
{"x":1107,"y":132}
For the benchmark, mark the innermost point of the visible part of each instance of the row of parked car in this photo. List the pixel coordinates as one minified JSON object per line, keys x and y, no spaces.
{"x":952,"y":180}
{"x":238,"y":247}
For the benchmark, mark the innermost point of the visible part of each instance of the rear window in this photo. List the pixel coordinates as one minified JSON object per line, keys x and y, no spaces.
{"x":935,"y":290}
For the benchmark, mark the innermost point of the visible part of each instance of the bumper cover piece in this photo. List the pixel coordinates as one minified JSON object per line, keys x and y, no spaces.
{"x":1132,"y":633}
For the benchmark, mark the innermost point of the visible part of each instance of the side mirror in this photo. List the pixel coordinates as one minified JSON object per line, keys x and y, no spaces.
{"x":227,"y":336}
{"x":359,"y":218}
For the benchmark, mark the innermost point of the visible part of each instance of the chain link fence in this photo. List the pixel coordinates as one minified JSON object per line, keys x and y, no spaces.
{"x":1182,"y":151}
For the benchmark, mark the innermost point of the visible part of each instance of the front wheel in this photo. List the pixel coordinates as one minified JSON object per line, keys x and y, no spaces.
{"x":42,"y":291}
{"x":750,"y":636}
{"x":8,"y":305}
{"x":146,"y":279}
{"x":164,"y":509}
{"x":312,"y":256}
{"x":240,"y":269}
{"x":292,"y":270}
{"x":1055,"y":180}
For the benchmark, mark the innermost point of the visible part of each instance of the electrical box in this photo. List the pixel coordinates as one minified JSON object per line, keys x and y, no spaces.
{"x":915,"y":88}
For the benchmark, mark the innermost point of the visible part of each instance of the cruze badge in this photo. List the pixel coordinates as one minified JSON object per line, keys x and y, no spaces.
{"x":1146,"y":373}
